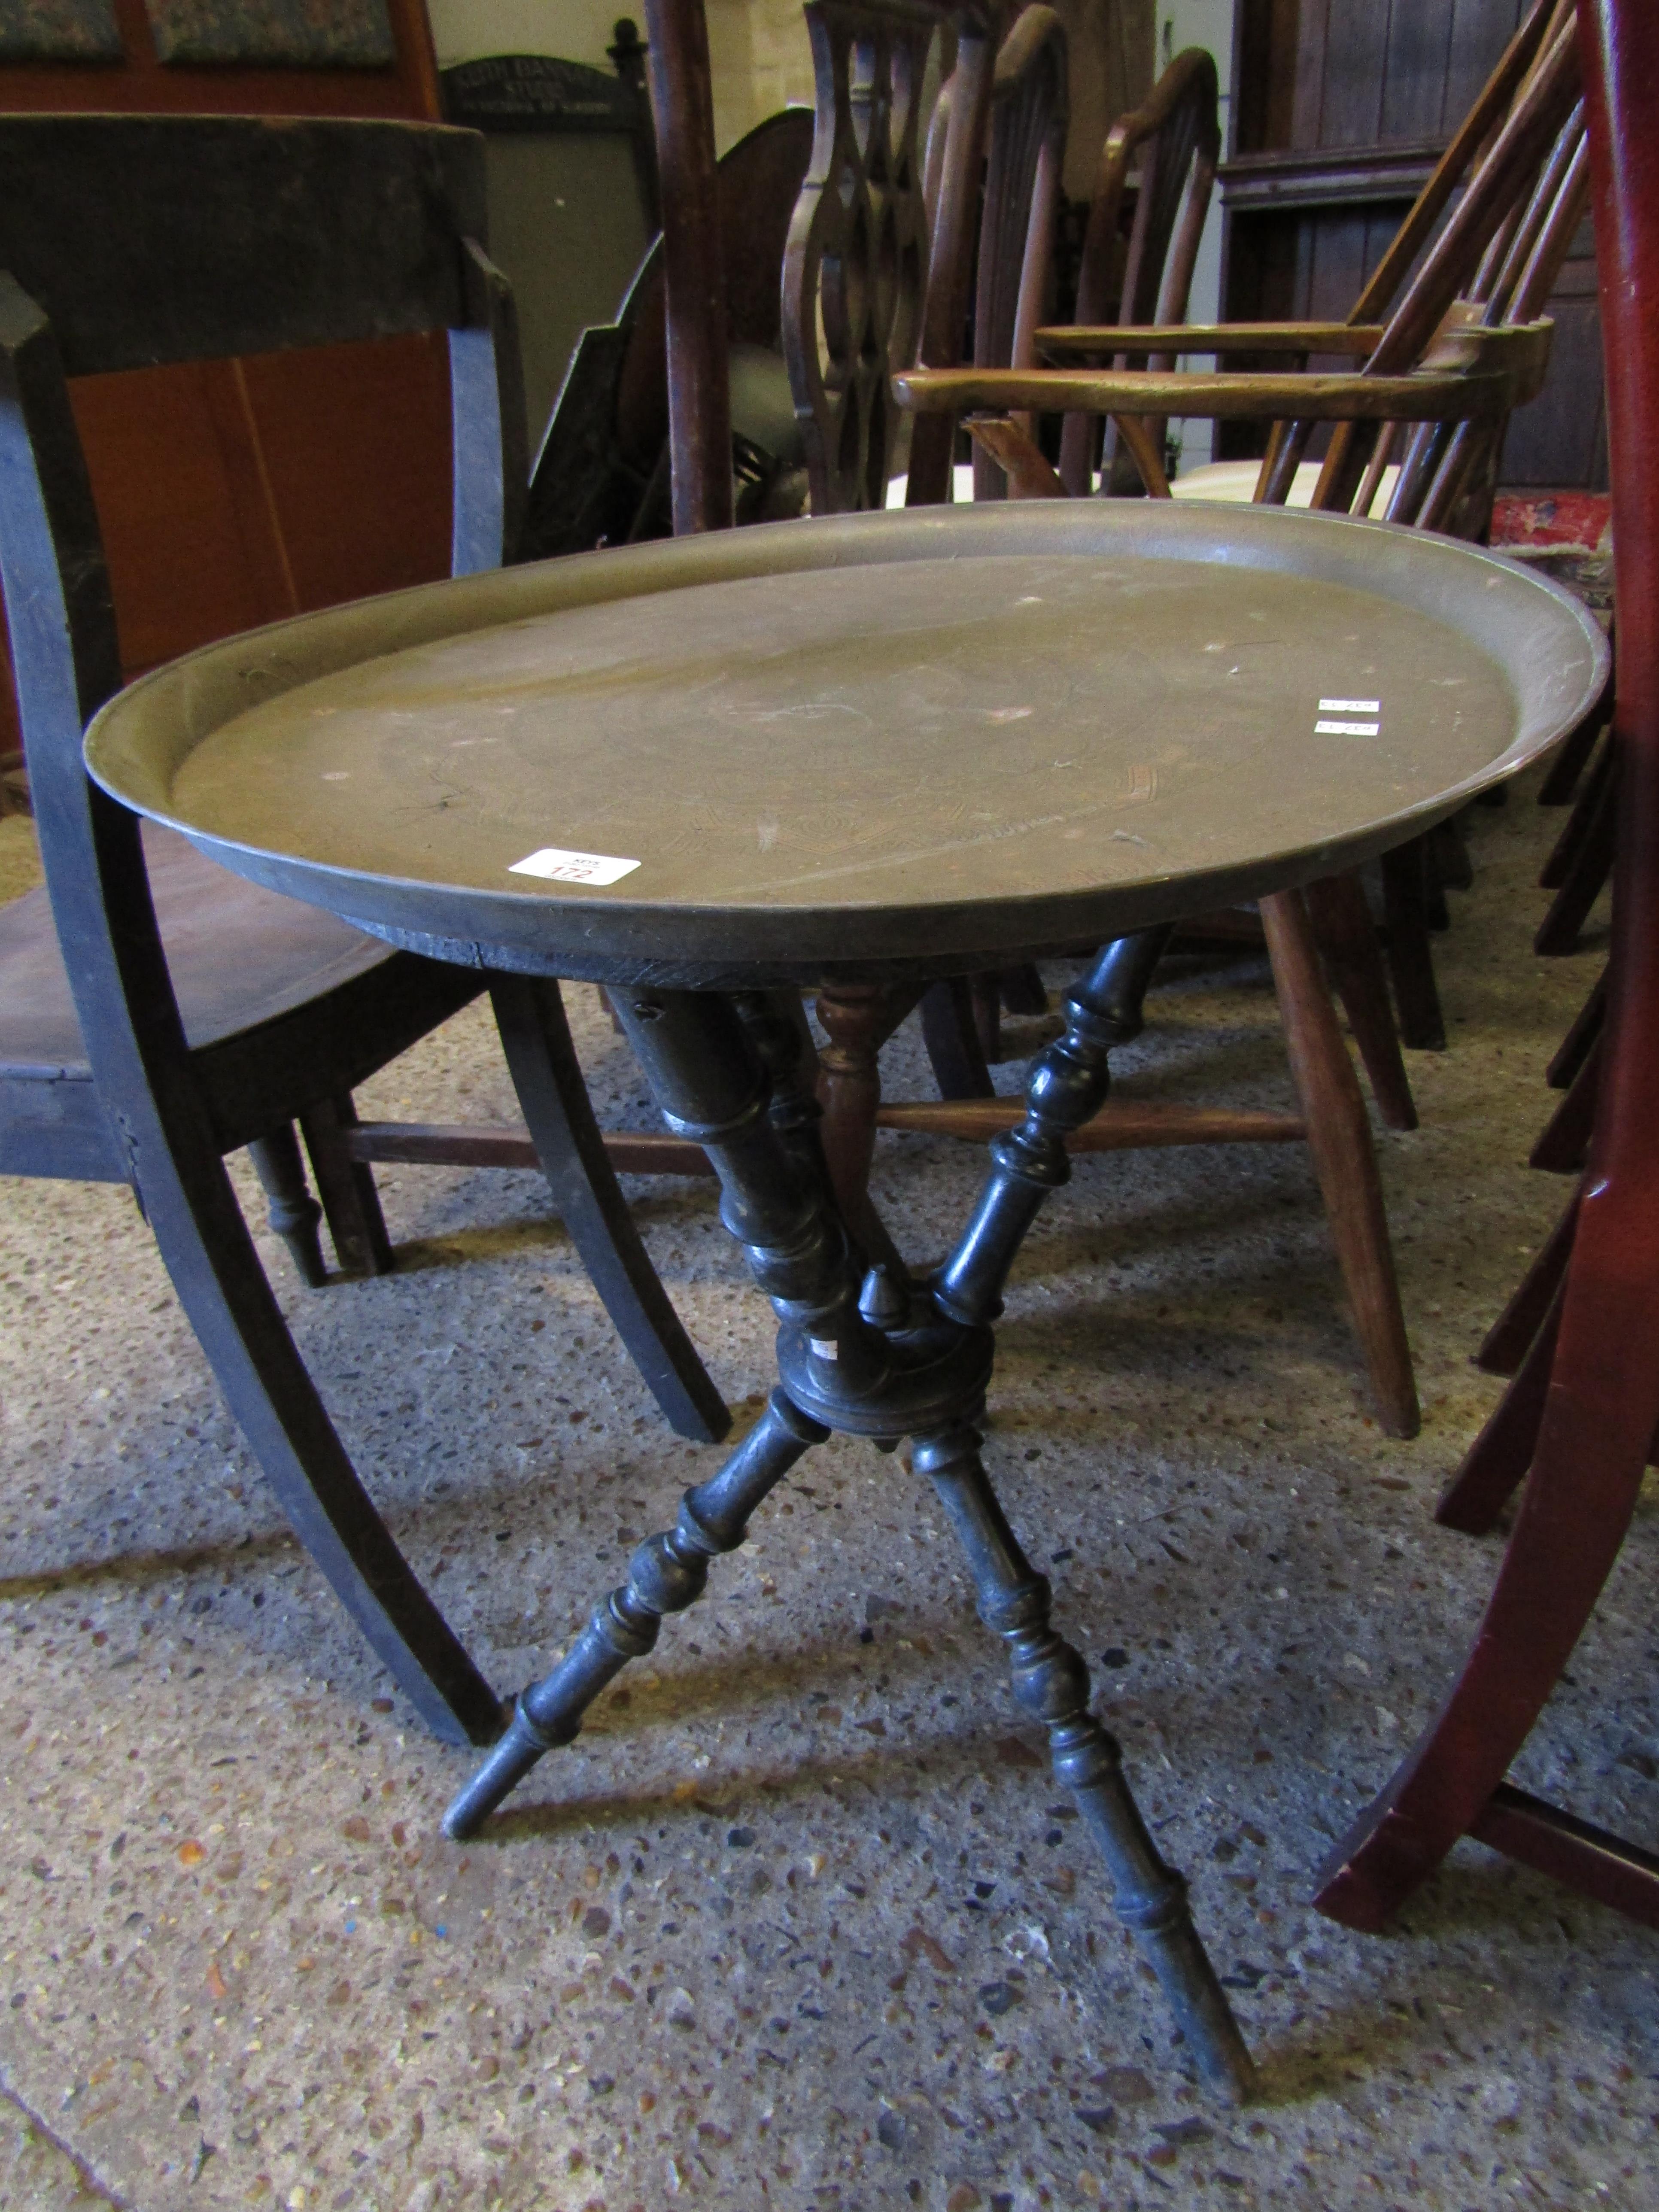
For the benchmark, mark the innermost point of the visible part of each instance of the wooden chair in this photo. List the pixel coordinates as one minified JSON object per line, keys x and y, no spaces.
{"x":154,"y":1013}
{"x":1578,"y":1423}
{"x":1171,"y":145}
{"x":1468,"y":376}
{"x":1174,"y":140}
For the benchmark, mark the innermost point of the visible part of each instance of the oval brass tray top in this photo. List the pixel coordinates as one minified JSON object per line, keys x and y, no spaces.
{"x":824,"y":747}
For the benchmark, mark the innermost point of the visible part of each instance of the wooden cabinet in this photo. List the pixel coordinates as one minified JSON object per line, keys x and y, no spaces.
{"x":1340,"y":109}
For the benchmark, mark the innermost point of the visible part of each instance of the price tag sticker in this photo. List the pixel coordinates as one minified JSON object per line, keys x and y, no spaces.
{"x":558,"y":866}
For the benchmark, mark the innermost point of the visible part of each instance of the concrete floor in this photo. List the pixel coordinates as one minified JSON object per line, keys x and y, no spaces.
{"x":798,"y":1921}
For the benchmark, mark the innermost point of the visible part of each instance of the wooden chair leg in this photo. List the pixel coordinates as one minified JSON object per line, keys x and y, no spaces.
{"x":553,"y":1098}
{"x":1574,"y":1049}
{"x":1586,"y":1472}
{"x":1450,"y":852}
{"x":951,"y":1034}
{"x":1507,"y":1342}
{"x":1559,"y":786}
{"x":215,"y":1270}
{"x":986,"y":999}
{"x":1345,"y":1159}
{"x":1562,"y":1147}
{"x":1585,"y":881}
{"x":1495,"y":1465}
{"x":856,"y":1018}
{"x":1559,"y":865}
{"x":1347,"y":938}
{"x":1023,"y":990}
{"x":293,"y":1213}
{"x":1411,"y":959}
{"x":350,"y":1202}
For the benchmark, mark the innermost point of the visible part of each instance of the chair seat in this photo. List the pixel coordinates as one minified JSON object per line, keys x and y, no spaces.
{"x":239,"y":957}
{"x":1236,"y":482}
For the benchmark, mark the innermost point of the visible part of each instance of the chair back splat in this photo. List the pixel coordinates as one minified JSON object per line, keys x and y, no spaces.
{"x":866,"y":290}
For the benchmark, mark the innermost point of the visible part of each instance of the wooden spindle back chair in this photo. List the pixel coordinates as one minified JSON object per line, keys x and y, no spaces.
{"x":1025,"y":162}
{"x":1174,"y":138}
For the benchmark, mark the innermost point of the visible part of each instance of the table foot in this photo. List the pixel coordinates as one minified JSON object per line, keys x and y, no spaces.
{"x":1051,"y":1683}
{"x":666,"y":1574}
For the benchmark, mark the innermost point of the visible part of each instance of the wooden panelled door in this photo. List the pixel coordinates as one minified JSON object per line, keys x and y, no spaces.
{"x":235,"y":493}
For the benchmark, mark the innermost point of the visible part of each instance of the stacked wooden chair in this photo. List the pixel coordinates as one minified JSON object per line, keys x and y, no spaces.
{"x":156,"y":1013}
{"x":1436,"y":364}
{"x":1578,"y":1423}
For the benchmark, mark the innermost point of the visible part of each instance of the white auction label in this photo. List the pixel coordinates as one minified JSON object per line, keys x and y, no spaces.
{"x":562,"y":867}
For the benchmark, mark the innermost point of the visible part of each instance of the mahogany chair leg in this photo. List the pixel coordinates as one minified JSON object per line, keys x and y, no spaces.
{"x":554,"y":1100}
{"x":1576,"y":827}
{"x":1586,"y":1471}
{"x":1559,"y":786}
{"x":1345,"y":1159}
{"x":1506,"y":1342}
{"x":1574,"y":1048}
{"x":1347,"y":938}
{"x":1562,"y":1147}
{"x":351,"y":1204}
{"x":1411,"y":958}
{"x":1585,"y":881}
{"x":293,"y":1213}
{"x":951,"y":1034}
{"x":856,"y":1018}
{"x":1495,"y":1465}
{"x":1451,"y":851}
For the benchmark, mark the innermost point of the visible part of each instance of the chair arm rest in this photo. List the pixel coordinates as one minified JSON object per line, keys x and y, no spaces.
{"x":1062,"y":341}
{"x":1493,"y":371}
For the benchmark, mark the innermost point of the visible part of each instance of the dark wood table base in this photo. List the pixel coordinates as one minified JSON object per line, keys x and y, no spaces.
{"x":862,"y":1352}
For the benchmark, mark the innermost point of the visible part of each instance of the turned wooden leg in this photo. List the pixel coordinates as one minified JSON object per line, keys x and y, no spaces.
{"x":346,"y":1187}
{"x":1347,"y":937}
{"x":856,"y":1018}
{"x":293,"y":1213}
{"x":1345,"y":1159}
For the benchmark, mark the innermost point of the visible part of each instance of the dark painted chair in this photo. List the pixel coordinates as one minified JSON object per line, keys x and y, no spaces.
{"x":156,"y":1013}
{"x":1577,"y":1423}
